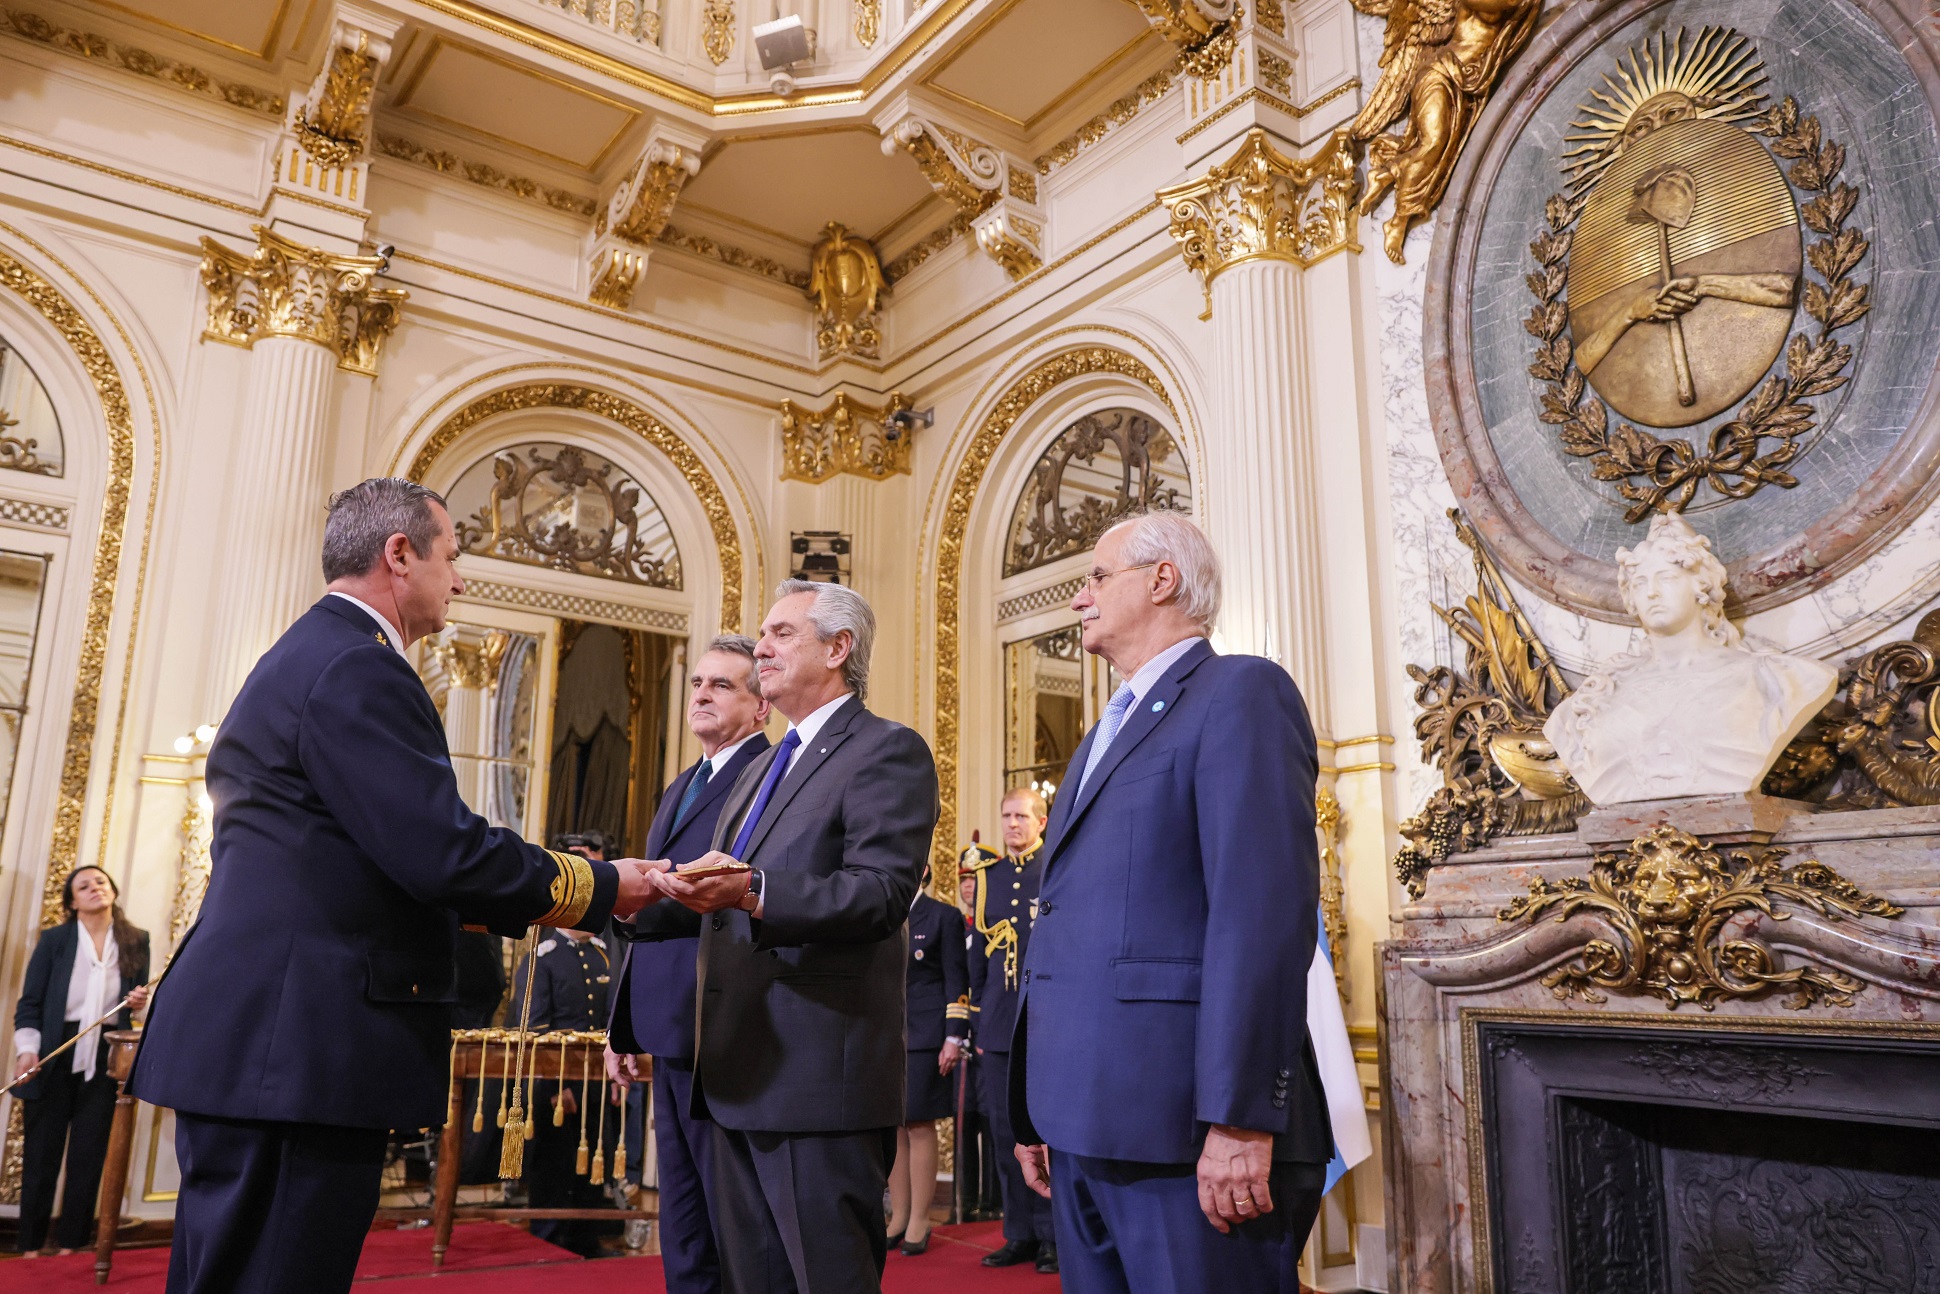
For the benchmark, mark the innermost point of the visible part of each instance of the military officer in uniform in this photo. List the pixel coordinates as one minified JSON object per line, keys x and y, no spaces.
{"x":1005,"y":907}
{"x":571,"y":979}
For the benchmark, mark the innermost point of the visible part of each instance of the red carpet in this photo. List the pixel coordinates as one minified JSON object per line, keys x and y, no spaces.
{"x":497,"y":1258}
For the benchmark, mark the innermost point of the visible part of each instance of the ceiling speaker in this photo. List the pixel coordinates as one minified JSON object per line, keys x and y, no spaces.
{"x":781,"y":42}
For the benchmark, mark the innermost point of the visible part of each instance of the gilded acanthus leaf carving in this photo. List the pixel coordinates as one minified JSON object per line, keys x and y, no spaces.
{"x":848,"y":436}
{"x":1187,"y":23}
{"x":287,"y":289}
{"x":1440,"y":62}
{"x":1669,"y":898}
{"x":335,"y":125}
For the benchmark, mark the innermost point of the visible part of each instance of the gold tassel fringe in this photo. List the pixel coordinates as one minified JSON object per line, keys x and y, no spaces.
{"x":580,"y":1163}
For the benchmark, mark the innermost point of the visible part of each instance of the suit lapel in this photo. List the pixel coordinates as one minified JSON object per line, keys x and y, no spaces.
{"x":1144,"y":719}
{"x":719,"y":784}
{"x":659,"y":835}
{"x":813,"y":755}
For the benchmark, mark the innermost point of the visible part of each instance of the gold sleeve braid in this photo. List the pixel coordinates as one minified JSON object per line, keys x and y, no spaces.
{"x":572,"y":890}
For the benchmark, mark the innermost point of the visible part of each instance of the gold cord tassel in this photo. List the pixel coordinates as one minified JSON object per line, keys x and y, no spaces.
{"x":504,"y":1082}
{"x":598,"y":1174}
{"x":484,"y":1060}
{"x":559,"y":1100}
{"x":518,"y":1123}
{"x":580,"y":1164}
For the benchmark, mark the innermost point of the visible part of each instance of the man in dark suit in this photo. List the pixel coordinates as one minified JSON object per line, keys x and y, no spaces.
{"x":308,"y":1011}
{"x":1161,"y":1047}
{"x":801,"y":1056}
{"x":1006,"y":898}
{"x":653,"y":1011}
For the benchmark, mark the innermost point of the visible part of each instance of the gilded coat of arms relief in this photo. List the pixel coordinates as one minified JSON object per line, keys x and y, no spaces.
{"x":1671,"y":272}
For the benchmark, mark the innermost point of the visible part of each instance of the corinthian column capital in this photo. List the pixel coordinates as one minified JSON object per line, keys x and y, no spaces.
{"x":1260,"y":204}
{"x":287,"y":289}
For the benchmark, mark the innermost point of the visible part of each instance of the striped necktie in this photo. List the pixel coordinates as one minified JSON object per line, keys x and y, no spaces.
{"x":1121,"y":704}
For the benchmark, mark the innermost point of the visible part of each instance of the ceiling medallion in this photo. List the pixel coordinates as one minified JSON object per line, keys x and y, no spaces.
{"x":1669,"y":897}
{"x":1669,"y":275}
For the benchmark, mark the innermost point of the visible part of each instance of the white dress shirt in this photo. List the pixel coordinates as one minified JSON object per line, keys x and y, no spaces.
{"x":93,"y":985}
{"x":718,"y":760}
{"x":390,"y":630}
{"x":812,"y":726}
{"x":1153,"y":670}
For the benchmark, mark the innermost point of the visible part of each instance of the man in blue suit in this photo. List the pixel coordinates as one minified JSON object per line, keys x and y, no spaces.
{"x":308,"y":1011}
{"x":653,"y":1011}
{"x":1161,"y":1049}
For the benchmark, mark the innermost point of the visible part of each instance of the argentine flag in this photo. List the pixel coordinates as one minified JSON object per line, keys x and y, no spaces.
{"x":1327,"y":1029}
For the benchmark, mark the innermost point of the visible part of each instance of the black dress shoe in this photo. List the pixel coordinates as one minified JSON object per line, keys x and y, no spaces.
{"x":914,"y":1248}
{"x":1047,"y":1259}
{"x":896,"y":1240}
{"x":1013,"y":1253}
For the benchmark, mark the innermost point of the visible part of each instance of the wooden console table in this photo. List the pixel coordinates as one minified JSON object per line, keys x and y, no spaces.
{"x":122,"y":1045}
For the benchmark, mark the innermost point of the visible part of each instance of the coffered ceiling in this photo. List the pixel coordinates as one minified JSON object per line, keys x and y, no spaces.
{"x":790,"y":185}
{"x":499,"y":101}
{"x":1029,"y":58}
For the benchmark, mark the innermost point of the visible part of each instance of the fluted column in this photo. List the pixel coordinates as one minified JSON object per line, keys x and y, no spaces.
{"x":464,"y":733}
{"x":1249,"y":228}
{"x":304,"y":313}
{"x":471,"y":659}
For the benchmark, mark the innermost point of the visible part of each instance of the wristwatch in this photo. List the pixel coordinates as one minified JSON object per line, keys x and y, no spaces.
{"x":752,"y":899}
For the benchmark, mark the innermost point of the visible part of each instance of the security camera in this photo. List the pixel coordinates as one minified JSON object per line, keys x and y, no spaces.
{"x":905,"y":421}
{"x":781,"y":85}
{"x":384,"y":253}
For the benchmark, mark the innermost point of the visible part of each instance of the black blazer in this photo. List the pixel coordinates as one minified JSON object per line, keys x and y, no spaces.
{"x":801,"y":1013}
{"x":43,"y":997}
{"x":317,"y":984}
{"x":653,"y":1005}
{"x":938,"y":975}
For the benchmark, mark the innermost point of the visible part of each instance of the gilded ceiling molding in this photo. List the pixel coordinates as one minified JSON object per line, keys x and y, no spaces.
{"x":635,"y":216}
{"x":927,"y":246}
{"x":326,"y":139}
{"x":868,"y":22}
{"x":1260,"y":204}
{"x":623,"y":412}
{"x":286,"y":289}
{"x":1149,"y":91}
{"x":717,"y":30}
{"x":996,"y":193}
{"x":1044,"y":377}
{"x":1187,"y":23}
{"x":728,"y":254}
{"x":1439,"y":65}
{"x":183,"y":76}
{"x":848,"y":436}
{"x":485,"y":176}
{"x":118,"y":417}
{"x":846,"y":282}
{"x":615,"y":274}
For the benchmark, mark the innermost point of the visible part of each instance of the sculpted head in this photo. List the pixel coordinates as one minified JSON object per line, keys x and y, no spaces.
{"x":1154,"y":579}
{"x":814,"y":646}
{"x":1673,"y":580}
{"x":390,"y":544}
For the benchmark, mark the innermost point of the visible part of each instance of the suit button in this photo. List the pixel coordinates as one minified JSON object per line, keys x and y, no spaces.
{"x":775,"y":953}
{"x":1286,"y":1073}
{"x":717,"y":921}
{"x":1279,"y":1102}
{"x":1027,"y":977}
{"x":1043,"y":906}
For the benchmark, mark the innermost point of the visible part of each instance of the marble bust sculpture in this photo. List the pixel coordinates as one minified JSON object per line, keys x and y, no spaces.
{"x":1693,"y":711}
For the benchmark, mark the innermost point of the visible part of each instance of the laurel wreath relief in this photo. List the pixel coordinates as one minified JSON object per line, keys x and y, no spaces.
{"x":1654,"y":474}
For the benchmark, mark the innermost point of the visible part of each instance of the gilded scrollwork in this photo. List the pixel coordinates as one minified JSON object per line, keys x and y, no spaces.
{"x":846,"y":282}
{"x":1188,"y":23}
{"x":994,"y":195}
{"x":334,"y":127}
{"x":621,"y":412}
{"x":1333,"y":890}
{"x":1669,"y":898}
{"x":566,"y":508}
{"x":1262,"y":204}
{"x":184,"y":76}
{"x":644,"y":202}
{"x":1481,"y":727}
{"x":615,"y":274}
{"x":484,"y":175}
{"x":286,"y":289}
{"x":848,"y":436}
{"x":1440,"y":62}
{"x":1101,"y":467}
{"x":1121,"y":110}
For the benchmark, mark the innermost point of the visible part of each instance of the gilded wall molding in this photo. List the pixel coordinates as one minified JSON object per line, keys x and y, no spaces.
{"x":84,"y":718}
{"x":485,"y":176}
{"x":1260,"y":204}
{"x":622,"y":412}
{"x":183,"y":76}
{"x":996,"y":194}
{"x":847,"y":437}
{"x":846,"y":282}
{"x":728,"y":254}
{"x":1187,"y":23}
{"x":286,"y":289}
{"x":1121,"y":110}
{"x":40,"y":516}
{"x":644,"y":202}
{"x":576,"y":606}
{"x":926,"y":247}
{"x":1037,"y":382}
{"x":333,"y":126}
{"x":615,"y":274}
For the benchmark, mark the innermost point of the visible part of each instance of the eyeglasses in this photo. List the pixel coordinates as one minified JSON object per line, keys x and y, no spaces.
{"x":1096,"y":580}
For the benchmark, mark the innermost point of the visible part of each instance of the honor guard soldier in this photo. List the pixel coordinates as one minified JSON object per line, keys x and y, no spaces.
{"x":571,"y":978}
{"x":1005,"y":907}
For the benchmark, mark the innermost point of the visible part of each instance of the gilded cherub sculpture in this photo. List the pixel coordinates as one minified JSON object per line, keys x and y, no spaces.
{"x":1694,"y":711}
{"x":846,"y":282}
{"x":1440,"y":60}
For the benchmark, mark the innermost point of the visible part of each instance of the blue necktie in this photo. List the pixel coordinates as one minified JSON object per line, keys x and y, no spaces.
{"x":1121,"y":703}
{"x":776,"y":771}
{"x":694,"y":789}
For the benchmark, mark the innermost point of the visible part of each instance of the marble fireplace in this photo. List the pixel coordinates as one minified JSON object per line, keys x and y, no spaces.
{"x":1691,"y":1048}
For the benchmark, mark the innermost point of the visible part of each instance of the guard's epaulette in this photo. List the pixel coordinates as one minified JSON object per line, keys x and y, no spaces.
{"x":545,"y":947}
{"x":597,"y":942}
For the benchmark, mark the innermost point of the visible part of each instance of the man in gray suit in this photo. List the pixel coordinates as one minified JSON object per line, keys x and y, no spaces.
{"x":801,"y":1053}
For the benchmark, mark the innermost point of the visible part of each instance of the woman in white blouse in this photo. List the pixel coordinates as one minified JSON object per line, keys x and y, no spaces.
{"x":79,"y":970}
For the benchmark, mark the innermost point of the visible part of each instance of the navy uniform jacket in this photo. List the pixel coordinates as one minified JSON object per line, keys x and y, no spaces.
{"x":801,"y":1013}
{"x":570,"y":982}
{"x":43,"y":994}
{"x":1006,"y":891}
{"x":317,"y":984}
{"x":1166,"y":984}
{"x":937,"y":977}
{"x":653,"y":1007}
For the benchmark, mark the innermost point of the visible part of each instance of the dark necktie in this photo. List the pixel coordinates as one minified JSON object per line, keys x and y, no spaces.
{"x":776,"y":771}
{"x":694,"y":789}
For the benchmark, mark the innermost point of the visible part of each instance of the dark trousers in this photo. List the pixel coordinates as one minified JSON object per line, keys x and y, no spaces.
{"x":636,"y":1132}
{"x":801,"y":1212}
{"x":1126,"y":1228}
{"x":552,"y":1176}
{"x":1027,"y":1215}
{"x":72,"y":1116}
{"x":684,"y":1152}
{"x":271,"y":1208}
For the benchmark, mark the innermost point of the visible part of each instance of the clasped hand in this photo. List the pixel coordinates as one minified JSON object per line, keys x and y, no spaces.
{"x":648,"y":881}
